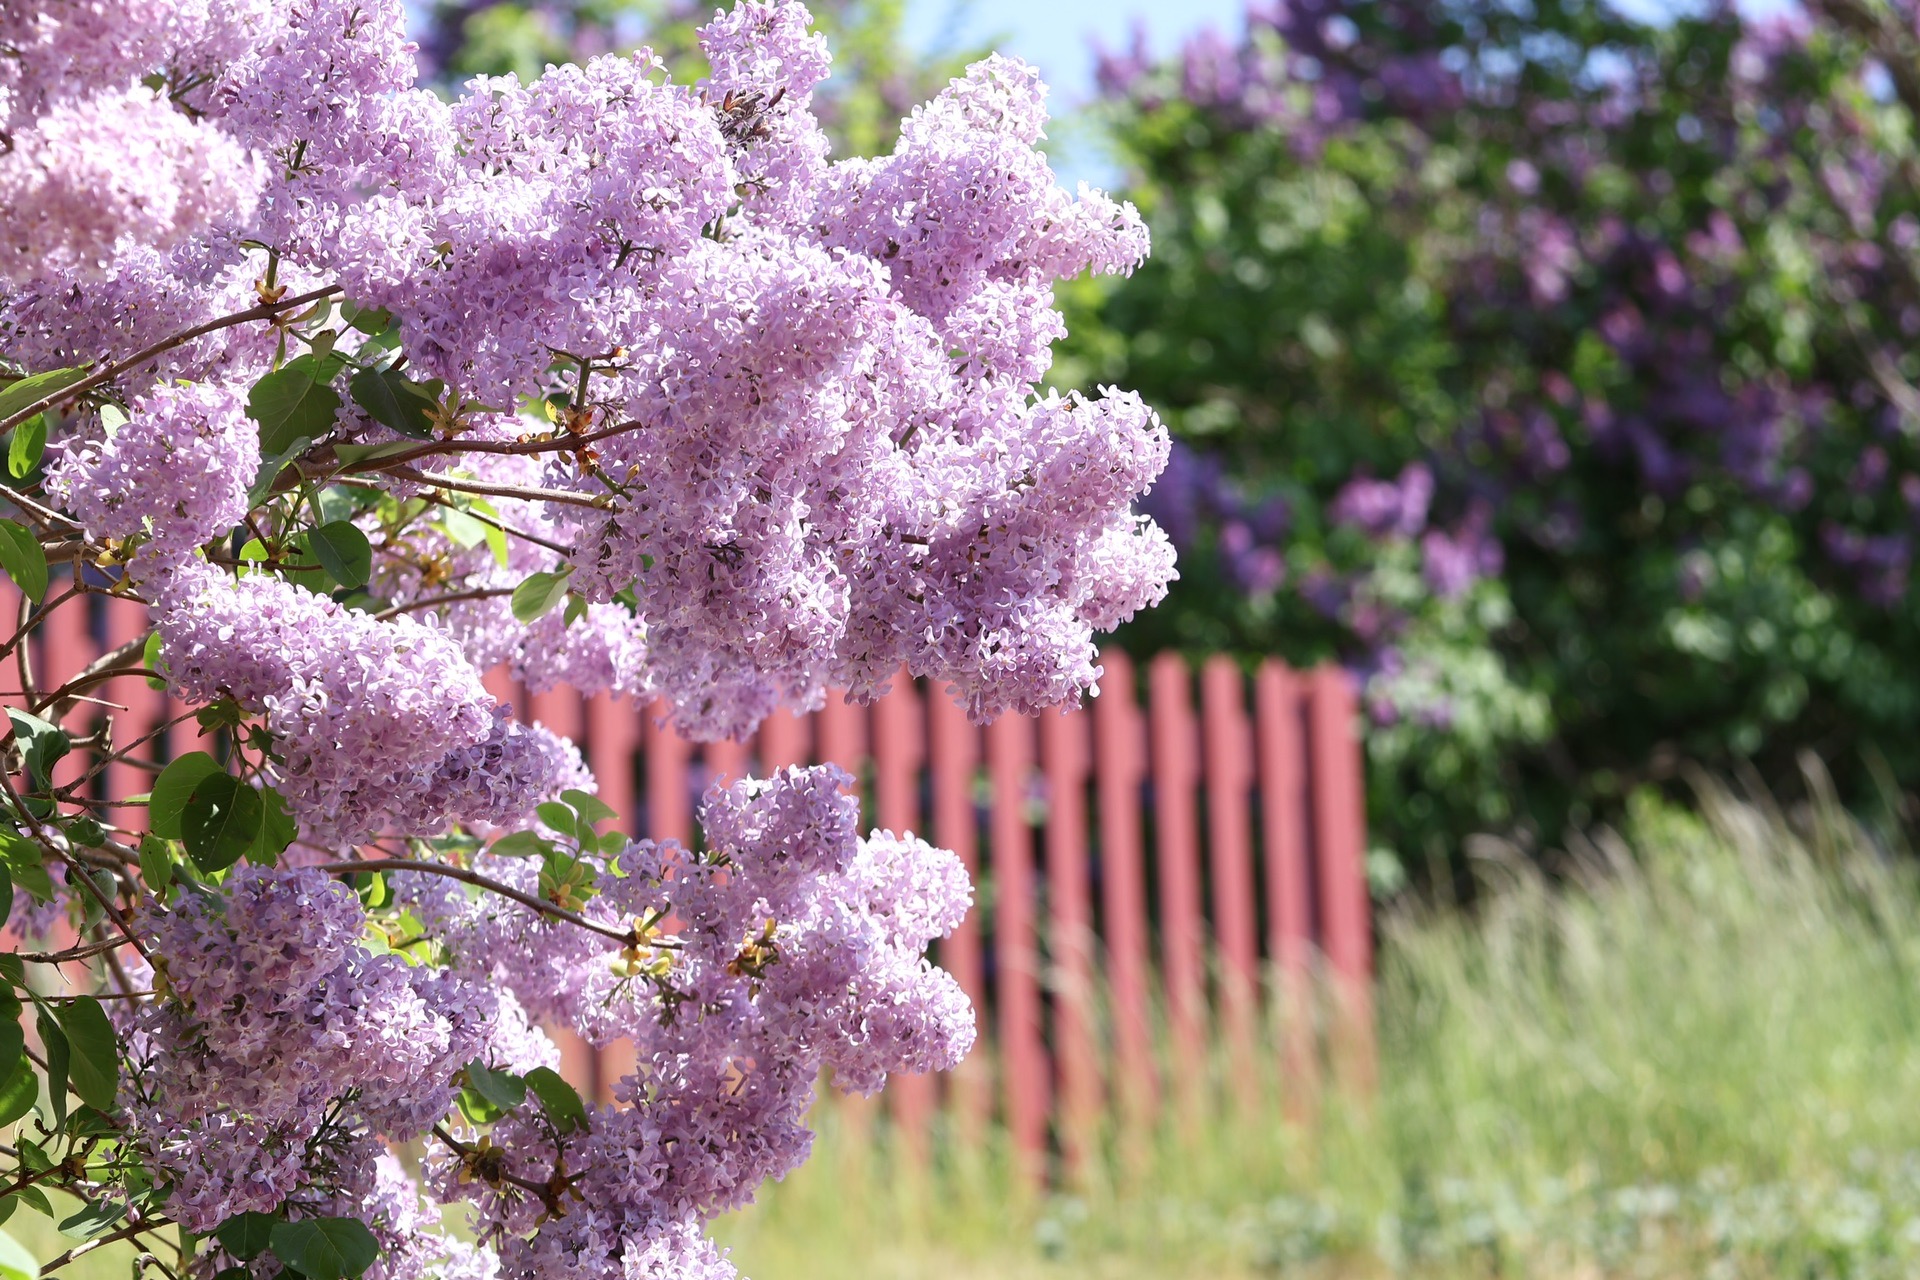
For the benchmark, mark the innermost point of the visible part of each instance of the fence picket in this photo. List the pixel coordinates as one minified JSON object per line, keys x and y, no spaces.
{"x":131,"y":719}
{"x":1022,"y":1021}
{"x":1120,"y":757}
{"x":1339,"y":811}
{"x":1229,"y":789}
{"x":1176,"y":773}
{"x":1071,"y":942}
{"x":899,"y":750}
{"x":666,"y":755}
{"x":1284,"y":809}
{"x":954,"y":756}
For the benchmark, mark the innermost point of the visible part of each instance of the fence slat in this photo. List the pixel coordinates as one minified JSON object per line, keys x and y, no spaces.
{"x":127,"y":621}
{"x":726,"y":761}
{"x":68,"y":648}
{"x":785,"y":739}
{"x":1176,"y":769}
{"x":613,"y":733}
{"x":1022,"y":1023}
{"x":1339,"y":811}
{"x":840,"y":730}
{"x":1284,"y":809}
{"x":954,"y":757}
{"x":1070,"y":937}
{"x":1229,"y":774}
{"x":899,"y":749}
{"x":669,"y":797}
{"x":1120,"y":759}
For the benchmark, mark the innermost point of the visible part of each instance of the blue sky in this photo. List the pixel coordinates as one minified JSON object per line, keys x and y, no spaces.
{"x":1054,"y":34}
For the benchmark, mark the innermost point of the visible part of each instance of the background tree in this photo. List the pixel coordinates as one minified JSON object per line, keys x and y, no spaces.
{"x":1551,"y":369}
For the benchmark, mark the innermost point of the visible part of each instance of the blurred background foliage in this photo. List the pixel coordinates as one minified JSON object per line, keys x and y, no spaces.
{"x":1551,"y":369}
{"x":877,"y":77}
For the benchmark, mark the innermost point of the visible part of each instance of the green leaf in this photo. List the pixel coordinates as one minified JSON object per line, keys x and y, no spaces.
{"x":462,"y":529}
{"x":172,"y":789}
{"x":277,"y":828}
{"x":344,"y":552}
{"x":501,"y":1088}
{"x":294,"y":401}
{"x":395,"y":400}
{"x":7,"y":1205}
{"x":246,"y":1235}
{"x":325,"y":1248}
{"x":520,"y":844}
{"x":28,"y":444}
{"x":150,"y":659}
{"x":156,"y":866}
{"x":590,"y":807}
{"x":42,"y":743}
{"x":533,"y":598}
{"x":558,"y":1099}
{"x":36,"y":1199}
{"x":6,"y":893}
{"x":368,"y":320}
{"x":13,"y":1051}
{"x":15,"y":1262}
{"x":23,"y":559}
{"x":53,"y":1043}
{"x":271,"y":467}
{"x":557,"y":816}
{"x":222,"y":821}
{"x":39,"y":386}
{"x":26,"y":862}
{"x":477,"y":1109}
{"x":96,"y":1218}
{"x":95,"y":1066}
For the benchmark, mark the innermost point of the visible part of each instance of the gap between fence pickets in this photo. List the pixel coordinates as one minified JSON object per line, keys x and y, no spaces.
{"x":1153,"y":865}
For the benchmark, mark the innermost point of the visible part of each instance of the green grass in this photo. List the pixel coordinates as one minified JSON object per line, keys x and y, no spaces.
{"x":1696,"y":1053}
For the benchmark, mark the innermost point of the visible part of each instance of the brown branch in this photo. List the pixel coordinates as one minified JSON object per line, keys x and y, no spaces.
{"x":265,"y":311}
{"x":462,"y":874}
{"x":459,"y":484}
{"x":454,"y":597}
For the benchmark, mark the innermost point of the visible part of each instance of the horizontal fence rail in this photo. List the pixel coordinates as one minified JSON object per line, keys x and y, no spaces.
{"x":1178,"y":864}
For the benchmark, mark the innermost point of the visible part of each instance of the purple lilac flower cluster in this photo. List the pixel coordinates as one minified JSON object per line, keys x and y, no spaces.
{"x":796,"y":945}
{"x":282,"y":1034}
{"x":614,"y":382}
{"x":175,"y":472}
{"x":377,"y":724}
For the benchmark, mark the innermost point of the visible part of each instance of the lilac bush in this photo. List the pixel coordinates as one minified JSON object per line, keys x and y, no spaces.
{"x":1551,"y":369}
{"x":617,"y":380}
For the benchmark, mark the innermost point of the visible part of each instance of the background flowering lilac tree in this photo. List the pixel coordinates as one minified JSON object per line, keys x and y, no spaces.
{"x":1552,"y":369}
{"x":620,"y":381}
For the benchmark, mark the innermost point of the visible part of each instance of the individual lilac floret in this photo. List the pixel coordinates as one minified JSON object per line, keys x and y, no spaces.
{"x":68,"y":195}
{"x":365,"y":712}
{"x":175,"y":472}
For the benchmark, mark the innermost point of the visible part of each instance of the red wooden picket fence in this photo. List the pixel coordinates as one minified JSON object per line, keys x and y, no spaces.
{"x":1179,"y":864}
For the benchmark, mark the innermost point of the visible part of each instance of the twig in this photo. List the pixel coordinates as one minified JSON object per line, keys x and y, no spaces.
{"x":627,"y":936}
{"x":431,"y":602}
{"x":116,"y":1237}
{"x":265,"y":311}
{"x":533,"y":493}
